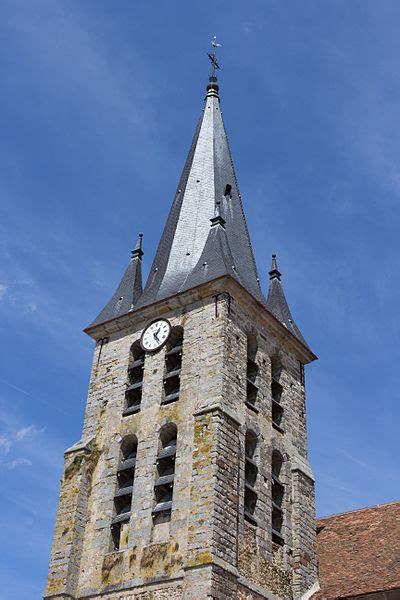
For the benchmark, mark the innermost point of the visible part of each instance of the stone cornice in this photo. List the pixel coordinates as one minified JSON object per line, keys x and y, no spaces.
{"x":202,"y":292}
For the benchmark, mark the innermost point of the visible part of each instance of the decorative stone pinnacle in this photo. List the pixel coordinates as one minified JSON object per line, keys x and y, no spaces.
{"x":274,"y":272}
{"x":137,"y":252}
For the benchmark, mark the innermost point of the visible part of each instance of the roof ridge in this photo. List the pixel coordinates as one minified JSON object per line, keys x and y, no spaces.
{"x":365,"y":508}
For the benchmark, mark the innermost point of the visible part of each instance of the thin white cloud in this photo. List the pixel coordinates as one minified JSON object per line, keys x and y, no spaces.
{"x":12,"y":440}
{"x":65,"y":52}
{"x":5,"y":443}
{"x":19,"y":462}
{"x":353,"y":459}
{"x":3,"y":290}
{"x":24,"y":432}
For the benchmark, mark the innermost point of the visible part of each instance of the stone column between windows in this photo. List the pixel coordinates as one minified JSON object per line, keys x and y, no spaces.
{"x":212,"y":528}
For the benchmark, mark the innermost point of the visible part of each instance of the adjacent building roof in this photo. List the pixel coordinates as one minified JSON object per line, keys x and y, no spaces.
{"x":206,"y":234}
{"x":359,"y":552}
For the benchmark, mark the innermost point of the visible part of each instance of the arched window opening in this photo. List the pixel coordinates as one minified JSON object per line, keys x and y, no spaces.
{"x":278,"y":495}
{"x":252,"y":372}
{"x":251,"y":474}
{"x":133,"y":393}
{"x":276,"y":393}
{"x":173,"y":364}
{"x":123,"y":493}
{"x":164,"y":484}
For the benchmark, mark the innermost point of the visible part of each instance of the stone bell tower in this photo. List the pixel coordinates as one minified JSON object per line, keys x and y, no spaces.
{"x":191,"y":480}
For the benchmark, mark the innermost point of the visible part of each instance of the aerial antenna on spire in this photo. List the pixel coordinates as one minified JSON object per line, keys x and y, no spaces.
{"x":213,"y":56}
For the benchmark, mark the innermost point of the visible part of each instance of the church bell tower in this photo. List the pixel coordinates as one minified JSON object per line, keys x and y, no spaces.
{"x":191,"y":479}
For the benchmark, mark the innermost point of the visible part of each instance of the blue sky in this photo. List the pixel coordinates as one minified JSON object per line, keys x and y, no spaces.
{"x":99,"y":102}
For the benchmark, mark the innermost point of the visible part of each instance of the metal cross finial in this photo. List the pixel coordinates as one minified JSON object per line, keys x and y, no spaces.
{"x":213,"y":56}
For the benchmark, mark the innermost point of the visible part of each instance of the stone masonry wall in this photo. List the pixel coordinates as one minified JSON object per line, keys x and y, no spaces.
{"x":278,"y":569}
{"x":68,"y":535}
{"x":305,"y":562}
{"x":207,"y":546}
{"x":226,"y":499}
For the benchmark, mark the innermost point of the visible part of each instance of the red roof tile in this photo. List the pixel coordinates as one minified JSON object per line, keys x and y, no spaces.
{"x":359,"y":552}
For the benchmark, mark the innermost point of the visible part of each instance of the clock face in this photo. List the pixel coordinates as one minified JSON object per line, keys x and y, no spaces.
{"x":155,"y":335}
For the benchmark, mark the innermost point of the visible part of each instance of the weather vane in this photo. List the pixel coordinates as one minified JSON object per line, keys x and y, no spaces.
{"x":213,"y":57}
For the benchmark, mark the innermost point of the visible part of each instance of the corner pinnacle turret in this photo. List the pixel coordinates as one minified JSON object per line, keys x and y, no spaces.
{"x":129,"y":290}
{"x":276,"y":301}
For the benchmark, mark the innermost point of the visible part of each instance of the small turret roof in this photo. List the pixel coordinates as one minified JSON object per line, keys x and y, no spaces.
{"x":129,"y":289}
{"x":276,"y":301}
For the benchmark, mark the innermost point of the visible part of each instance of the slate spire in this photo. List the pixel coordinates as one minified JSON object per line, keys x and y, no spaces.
{"x":276,"y":301}
{"x":207,"y":191}
{"x":191,"y":252}
{"x":129,"y":290}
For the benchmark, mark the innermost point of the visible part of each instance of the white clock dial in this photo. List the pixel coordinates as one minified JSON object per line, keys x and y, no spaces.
{"x":155,"y":335}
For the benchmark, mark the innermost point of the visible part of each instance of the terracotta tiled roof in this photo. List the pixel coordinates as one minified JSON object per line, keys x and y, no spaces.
{"x":359,"y":552}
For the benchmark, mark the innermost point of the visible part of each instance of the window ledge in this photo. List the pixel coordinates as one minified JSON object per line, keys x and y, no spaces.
{"x":174,"y":350}
{"x":252,"y":383}
{"x":128,"y":463}
{"x":278,"y":538}
{"x":165,"y":480}
{"x":136,"y":363}
{"x":250,"y":519}
{"x":121,"y":518}
{"x":162,"y":507}
{"x":172,"y":374}
{"x":131,"y":410}
{"x":278,"y":427}
{"x":252,"y":407}
{"x":170,"y":398}
{"x":276,"y":480}
{"x":166,"y":452}
{"x":251,"y":461}
{"x":125,"y":491}
{"x":134,"y":386}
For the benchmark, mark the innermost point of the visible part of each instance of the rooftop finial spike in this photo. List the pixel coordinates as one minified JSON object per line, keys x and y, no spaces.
{"x":212,"y":87}
{"x":213,"y":57}
{"x":217,"y":219}
{"x":137,"y":252}
{"x":274,"y":272}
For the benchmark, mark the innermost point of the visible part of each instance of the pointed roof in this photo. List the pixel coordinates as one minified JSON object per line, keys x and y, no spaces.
{"x":191,"y":252}
{"x":128,"y":291}
{"x":207,"y":190}
{"x":276,"y":301}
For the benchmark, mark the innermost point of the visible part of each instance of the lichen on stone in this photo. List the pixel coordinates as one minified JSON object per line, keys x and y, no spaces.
{"x":110,"y":562}
{"x":260,"y":570}
{"x":152,"y":554}
{"x":92,"y":459}
{"x":73,"y":467}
